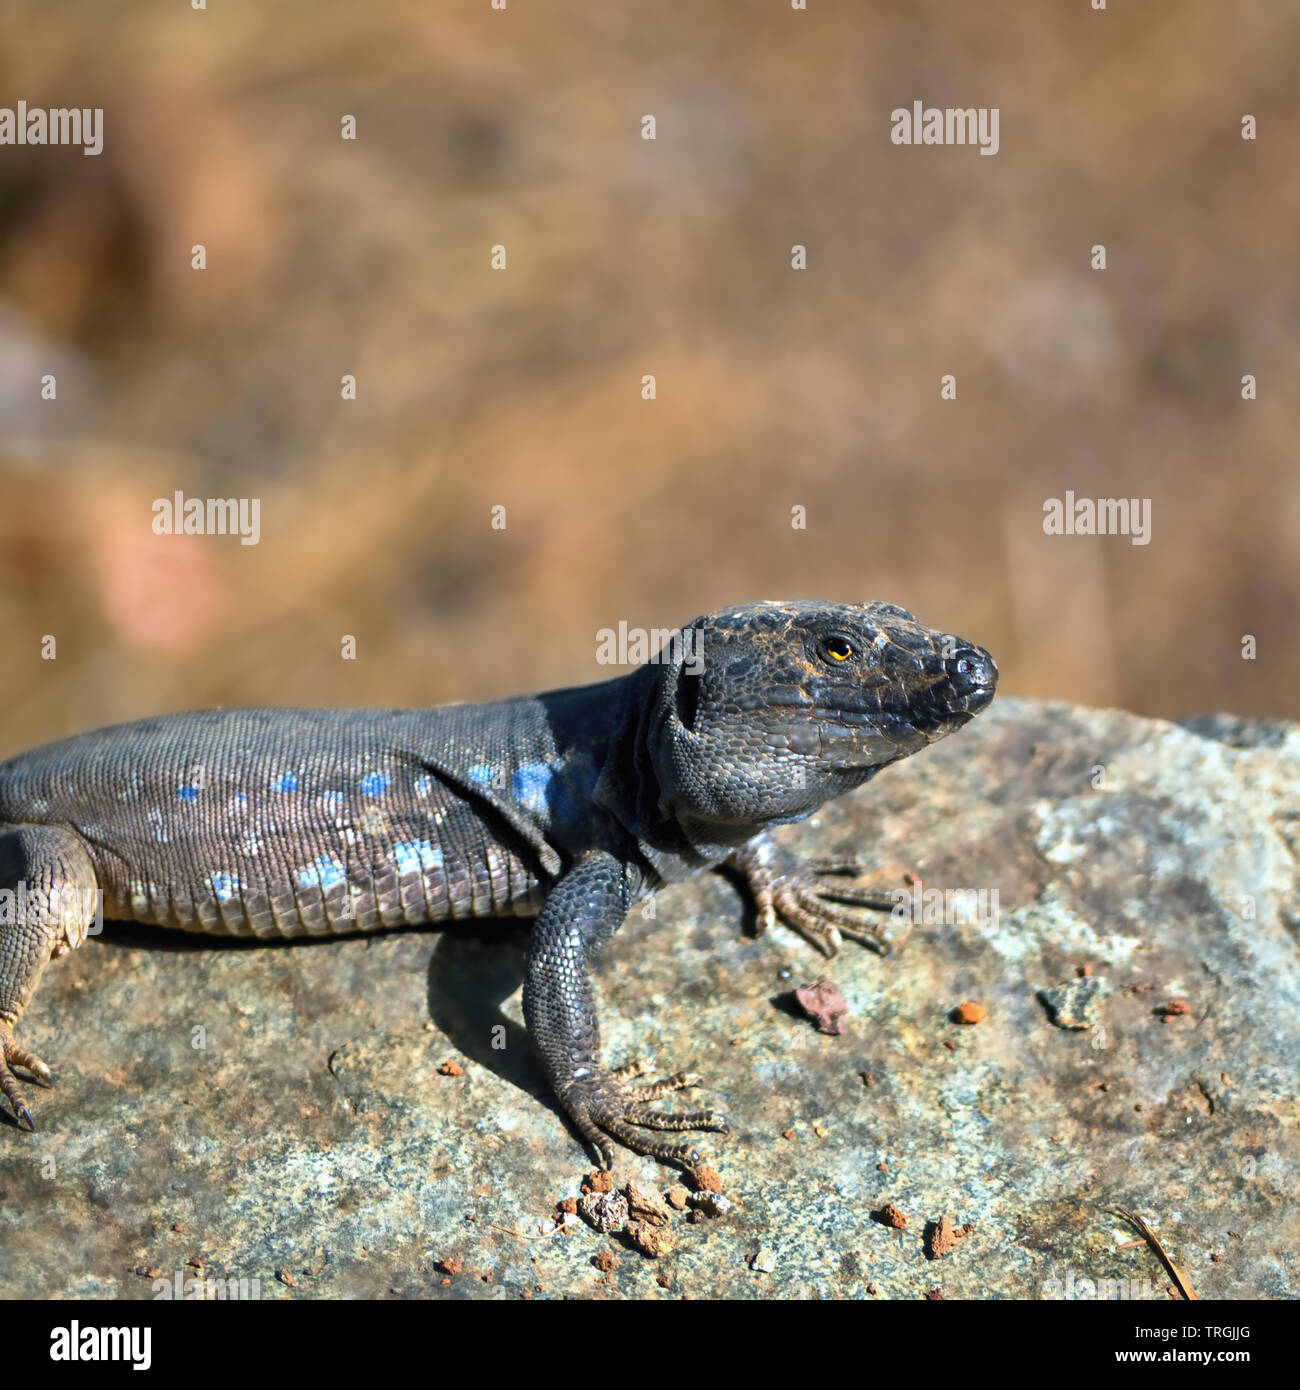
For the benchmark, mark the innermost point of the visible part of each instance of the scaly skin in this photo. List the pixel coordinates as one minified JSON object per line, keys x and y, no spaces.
{"x":572,"y":805}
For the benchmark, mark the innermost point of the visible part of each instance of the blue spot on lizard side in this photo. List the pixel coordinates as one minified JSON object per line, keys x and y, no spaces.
{"x":531,"y":785}
{"x":412,"y":856}
{"x":374,"y":784}
{"x":225,"y":886}
{"x":286,"y":782}
{"x":324,"y":872}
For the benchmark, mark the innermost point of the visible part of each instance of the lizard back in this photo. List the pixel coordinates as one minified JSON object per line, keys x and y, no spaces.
{"x":297,"y":821}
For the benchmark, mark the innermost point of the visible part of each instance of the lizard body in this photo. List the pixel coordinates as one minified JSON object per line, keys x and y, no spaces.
{"x":570,"y":806}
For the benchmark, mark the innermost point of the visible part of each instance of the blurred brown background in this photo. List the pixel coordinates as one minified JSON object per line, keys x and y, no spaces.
{"x":522,"y":388}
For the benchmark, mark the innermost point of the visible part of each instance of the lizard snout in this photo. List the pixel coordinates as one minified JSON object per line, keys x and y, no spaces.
{"x":972,"y":676}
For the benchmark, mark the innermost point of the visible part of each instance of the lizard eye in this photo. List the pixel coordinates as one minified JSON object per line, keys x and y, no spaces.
{"x":838,"y":648}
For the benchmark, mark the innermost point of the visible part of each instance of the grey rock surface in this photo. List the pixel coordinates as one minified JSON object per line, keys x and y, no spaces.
{"x":278,"y":1113}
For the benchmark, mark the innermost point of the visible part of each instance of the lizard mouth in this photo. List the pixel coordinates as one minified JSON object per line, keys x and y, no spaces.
{"x":940,"y":707}
{"x":849,"y":740}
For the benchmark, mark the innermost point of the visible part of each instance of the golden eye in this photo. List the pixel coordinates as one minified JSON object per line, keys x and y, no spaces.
{"x":839,"y":648}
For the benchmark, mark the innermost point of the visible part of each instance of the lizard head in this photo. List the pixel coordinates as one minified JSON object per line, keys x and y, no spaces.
{"x":768,"y":710}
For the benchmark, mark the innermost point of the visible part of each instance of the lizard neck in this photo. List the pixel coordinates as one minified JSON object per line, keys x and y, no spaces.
{"x":638,"y":788}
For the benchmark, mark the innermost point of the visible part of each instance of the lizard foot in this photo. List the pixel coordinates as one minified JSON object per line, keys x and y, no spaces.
{"x":606,"y":1107}
{"x":809,"y":897}
{"x":11,"y":1055}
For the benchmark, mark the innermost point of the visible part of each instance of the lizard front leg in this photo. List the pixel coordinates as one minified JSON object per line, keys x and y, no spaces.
{"x":49,"y":886}
{"x":584,"y":909}
{"x":808,"y":895}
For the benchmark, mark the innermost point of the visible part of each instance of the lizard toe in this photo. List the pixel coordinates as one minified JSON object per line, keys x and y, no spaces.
{"x":9,"y":1085}
{"x":11,"y":1055}
{"x":16,"y":1056}
{"x":645,"y":1118}
{"x":631,"y":1137}
{"x":638,"y":1066}
{"x":681,"y":1081}
{"x":856,"y":895}
{"x":848,"y":867}
{"x":824,"y":922}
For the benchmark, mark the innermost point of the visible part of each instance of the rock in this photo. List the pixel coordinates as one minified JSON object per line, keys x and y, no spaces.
{"x":645,"y":1204}
{"x":1076,"y":1003}
{"x":889,"y":1215}
{"x":941,"y":1238}
{"x":606,"y":1211}
{"x":1175,"y":879}
{"x":649,"y":1238}
{"x":824,"y":1005}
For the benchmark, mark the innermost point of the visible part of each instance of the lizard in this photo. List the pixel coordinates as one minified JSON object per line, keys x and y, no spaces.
{"x":570,"y":806}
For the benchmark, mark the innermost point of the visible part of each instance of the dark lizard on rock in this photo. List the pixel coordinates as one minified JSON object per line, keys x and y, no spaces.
{"x":572,"y":806}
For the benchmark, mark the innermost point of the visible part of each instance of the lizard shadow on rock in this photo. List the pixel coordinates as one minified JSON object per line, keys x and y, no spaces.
{"x":148,"y":936}
{"x":474,"y":968}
